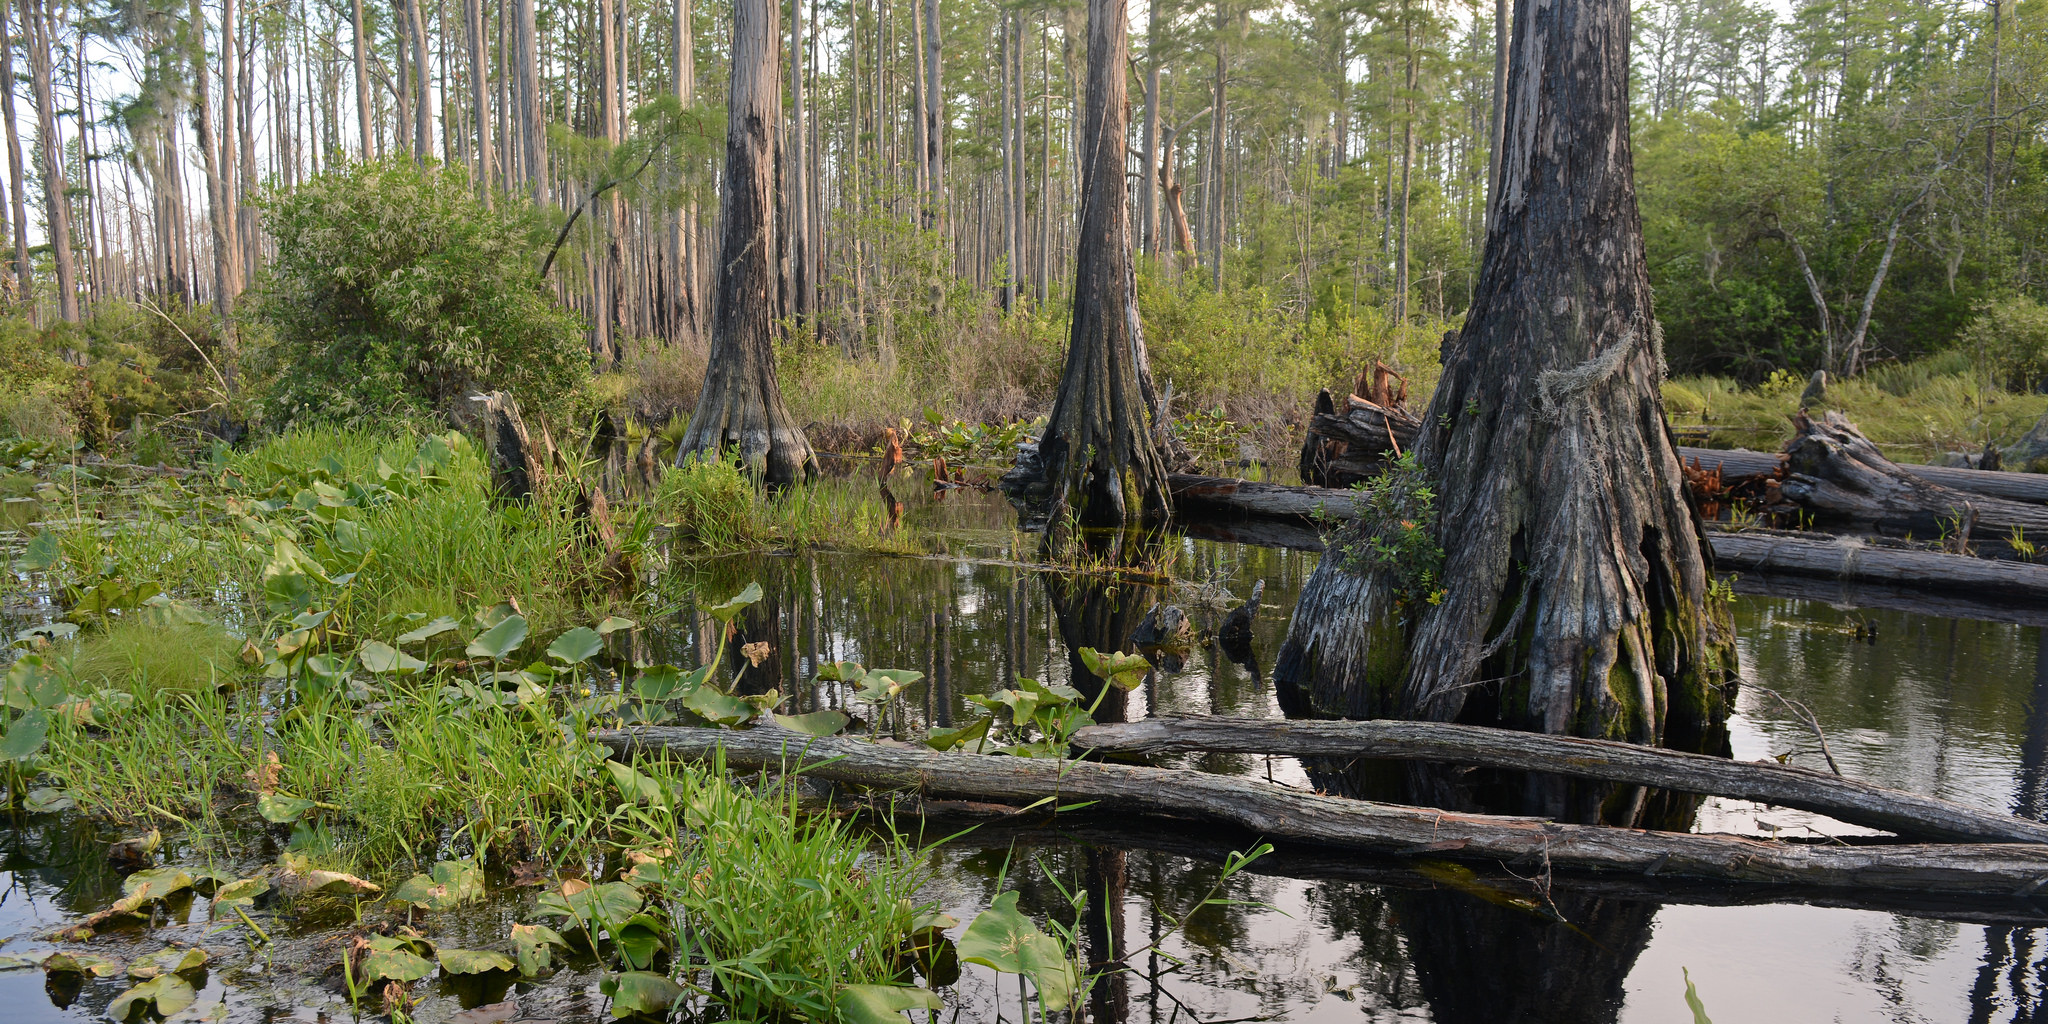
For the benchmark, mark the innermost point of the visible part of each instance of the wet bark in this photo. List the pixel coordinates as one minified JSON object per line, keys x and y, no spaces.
{"x":1844,"y":799}
{"x":1574,"y":578}
{"x":1281,"y":814}
{"x":740,"y":406}
{"x":1099,"y":461}
{"x":1835,"y":472}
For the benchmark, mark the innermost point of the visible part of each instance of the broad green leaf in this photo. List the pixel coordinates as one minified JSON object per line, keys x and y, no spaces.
{"x":474,"y":961}
{"x":238,"y":894}
{"x":44,"y":552}
{"x":45,"y":800}
{"x":640,"y":992}
{"x":531,"y":942}
{"x":729,"y":610}
{"x":153,"y":884}
{"x":880,"y":684}
{"x":80,"y":963}
{"x":428,"y":631}
{"x":1125,"y":671}
{"x":499,"y":641}
{"x":664,"y":682}
{"x":384,"y":659}
{"x":24,"y":738}
{"x":972,"y":732}
{"x":608,"y":906}
{"x":613,"y":624}
{"x":450,"y":883}
{"x":718,"y":708}
{"x":32,"y":682}
{"x":635,"y":787}
{"x":281,"y":809}
{"x":816,"y":723}
{"x":168,"y":961}
{"x":166,"y":994}
{"x":841,"y":672}
{"x":395,"y":965}
{"x":882,"y":1004}
{"x":576,"y":646}
{"x":639,"y":940}
{"x":1003,"y":939}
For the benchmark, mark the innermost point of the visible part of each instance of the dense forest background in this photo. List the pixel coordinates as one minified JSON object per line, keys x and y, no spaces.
{"x":1842,"y":185}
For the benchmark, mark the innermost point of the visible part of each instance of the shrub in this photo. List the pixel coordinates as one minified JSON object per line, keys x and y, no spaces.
{"x":2009,"y":342}
{"x":396,"y":290}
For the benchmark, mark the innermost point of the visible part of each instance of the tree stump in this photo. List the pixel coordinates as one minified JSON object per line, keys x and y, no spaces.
{"x":508,"y":447}
{"x":1838,"y":475}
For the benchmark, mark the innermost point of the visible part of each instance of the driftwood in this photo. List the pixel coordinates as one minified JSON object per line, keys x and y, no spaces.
{"x":1858,"y":803}
{"x":515,"y":467}
{"x":1346,"y":445}
{"x":1281,"y":814}
{"x":1842,"y":559}
{"x":1848,"y":560}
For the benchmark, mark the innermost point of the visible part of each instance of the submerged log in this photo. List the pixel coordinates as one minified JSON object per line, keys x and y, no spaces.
{"x":1281,"y":814}
{"x":1835,"y":472}
{"x":1858,"y":803}
{"x":2027,"y":487}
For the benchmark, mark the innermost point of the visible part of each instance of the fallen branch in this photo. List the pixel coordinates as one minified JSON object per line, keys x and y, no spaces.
{"x":2028,"y":487}
{"x":1858,"y":803}
{"x":1279,"y":814}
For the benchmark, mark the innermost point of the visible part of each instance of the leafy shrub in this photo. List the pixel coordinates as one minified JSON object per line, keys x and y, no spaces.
{"x":92,"y":380}
{"x":1395,"y":532}
{"x":2009,"y":342}
{"x":396,"y":290}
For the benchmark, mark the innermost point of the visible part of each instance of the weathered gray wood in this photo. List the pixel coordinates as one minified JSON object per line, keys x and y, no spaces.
{"x":1253,"y":498}
{"x":1281,"y":814}
{"x":1849,"y":560}
{"x":2027,"y":487}
{"x":508,"y":447}
{"x":1858,"y":803}
{"x":1837,"y":473}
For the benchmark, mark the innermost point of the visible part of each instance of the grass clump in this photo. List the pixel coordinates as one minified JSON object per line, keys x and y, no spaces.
{"x":150,"y":660}
{"x":712,"y":507}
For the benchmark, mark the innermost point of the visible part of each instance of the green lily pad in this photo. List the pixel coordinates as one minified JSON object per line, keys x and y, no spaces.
{"x":166,"y":994}
{"x":428,"y":631}
{"x":80,"y":963}
{"x":239,"y":894}
{"x":576,"y":646}
{"x":882,"y":1004}
{"x":947,"y":739}
{"x":613,"y":624}
{"x":1003,"y":939}
{"x":499,"y":641}
{"x":816,"y":723}
{"x":45,"y":800}
{"x":169,"y":961}
{"x":282,"y":809}
{"x":395,"y":965}
{"x":384,"y":659}
{"x":641,"y":992}
{"x":729,"y":610}
{"x":474,"y":961}
{"x":450,"y":883}
{"x":532,"y":942}
{"x":718,"y":708}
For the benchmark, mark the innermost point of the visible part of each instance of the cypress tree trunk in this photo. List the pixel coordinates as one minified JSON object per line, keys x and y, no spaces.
{"x":1097,"y":459}
{"x":56,"y":191}
{"x":1572,"y":596}
{"x":741,"y":403}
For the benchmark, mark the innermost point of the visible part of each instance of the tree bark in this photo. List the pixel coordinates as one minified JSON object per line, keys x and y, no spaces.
{"x":2027,"y":487}
{"x":17,"y":191}
{"x":1573,"y":587}
{"x":362,"y":55}
{"x":479,"y":95}
{"x":801,"y":299}
{"x":1098,"y":459}
{"x":56,"y":192}
{"x":1281,"y":814}
{"x":1836,"y":472}
{"x":1848,"y":800}
{"x":934,"y":155}
{"x":740,"y":405}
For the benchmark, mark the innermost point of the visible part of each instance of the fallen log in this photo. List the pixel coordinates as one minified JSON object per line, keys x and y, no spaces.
{"x":1280,"y":814}
{"x":1836,"y":473}
{"x":1849,"y":800}
{"x":2028,"y":487}
{"x":1844,"y":559}
{"x":1354,"y":442}
{"x":1849,"y":560}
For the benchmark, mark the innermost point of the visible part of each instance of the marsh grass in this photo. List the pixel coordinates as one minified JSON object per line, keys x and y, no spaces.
{"x":150,"y":660}
{"x":712,"y":508}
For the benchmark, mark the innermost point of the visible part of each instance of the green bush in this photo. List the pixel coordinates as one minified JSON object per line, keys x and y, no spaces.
{"x":396,"y":290}
{"x":2009,"y":342}
{"x":91,"y":380}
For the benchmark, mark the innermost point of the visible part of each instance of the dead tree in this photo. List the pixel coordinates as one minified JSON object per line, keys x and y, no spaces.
{"x":741,"y":406}
{"x":1573,"y":581}
{"x":1099,"y":460}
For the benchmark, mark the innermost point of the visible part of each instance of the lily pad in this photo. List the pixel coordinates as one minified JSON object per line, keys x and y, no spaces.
{"x":384,"y":659}
{"x":882,"y":1004}
{"x":718,"y":708}
{"x":45,"y":800}
{"x":532,"y":943}
{"x":169,"y":961}
{"x":281,"y":809}
{"x":816,"y":723}
{"x":640,"y":992}
{"x":474,"y":961}
{"x":166,"y":994}
{"x":239,"y":894}
{"x":613,"y":624}
{"x":729,"y":610}
{"x":395,"y":965}
{"x":428,"y":631}
{"x":1003,"y":939}
{"x":451,"y":883}
{"x":80,"y":963}
{"x":500,"y":640}
{"x":576,"y":646}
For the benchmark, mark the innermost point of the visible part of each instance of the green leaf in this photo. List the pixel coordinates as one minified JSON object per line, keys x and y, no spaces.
{"x":1003,"y":939}
{"x":531,"y":942}
{"x":841,"y":672}
{"x":816,"y":723}
{"x":143,"y":887}
{"x":428,"y":631}
{"x":1124,"y":671}
{"x":730,"y":610}
{"x":880,"y":684}
{"x":499,"y":641}
{"x":721,"y":709}
{"x":384,"y":659}
{"x":166,"y":994}
{"x":639,"y":940}
{"x":168,"y":961}
{"x":640,"y":992}
{"x":24,"y":739}
{"x":576,"y":646}
{"x":1692,"y":1000}
{"x":45,"y":800}
{"x":395,"y":965}
{"x":80,"y":963}
{"x":281,"y":809}
{"x":44,"y":552}
{"x":972,"y":732}
{"x":882,"y":1004}
{"x":635,"y":787}
{"x":613,"y":624}
{"x":474,"y":961}
{"x":450,"y":883}
{"x":608,"y":906}
{"x":239,"y":894}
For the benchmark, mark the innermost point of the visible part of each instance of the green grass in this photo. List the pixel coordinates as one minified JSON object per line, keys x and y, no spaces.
{"x":150,"y":661}
{"x":712,"y":508}
{"x":1914,"y":411}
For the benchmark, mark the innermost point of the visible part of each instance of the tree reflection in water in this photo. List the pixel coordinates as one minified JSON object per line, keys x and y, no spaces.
{"x":2018,"y":957}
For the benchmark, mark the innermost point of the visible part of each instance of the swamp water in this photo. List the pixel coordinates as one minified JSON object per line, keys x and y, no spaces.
{"x":1954,"y":708}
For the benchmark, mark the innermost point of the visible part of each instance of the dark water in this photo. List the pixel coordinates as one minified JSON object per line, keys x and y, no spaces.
{"x":1939,"y":706}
